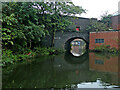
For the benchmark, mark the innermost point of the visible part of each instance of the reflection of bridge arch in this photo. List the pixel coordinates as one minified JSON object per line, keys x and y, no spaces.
{"x":76,"y":60}
{"x":63,"y":40}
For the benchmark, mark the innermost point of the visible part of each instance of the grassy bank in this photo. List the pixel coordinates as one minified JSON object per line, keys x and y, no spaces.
{"x":10,"y":57}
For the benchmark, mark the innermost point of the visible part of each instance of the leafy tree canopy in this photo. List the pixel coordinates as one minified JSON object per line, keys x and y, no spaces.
{"x":30,"y":22}
{"x":106,"y":19}
{"x":56,"y":12}
{"x":97,"y":26}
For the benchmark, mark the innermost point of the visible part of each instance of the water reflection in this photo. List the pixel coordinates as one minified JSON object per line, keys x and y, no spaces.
{"x":78,"y":47}
{"x":65,"y":71}
{"x":70,"y":58}
{"x":97,"y":84}
{"x":106,"y":63}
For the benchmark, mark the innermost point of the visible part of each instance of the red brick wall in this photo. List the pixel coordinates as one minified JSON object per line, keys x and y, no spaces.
{"x":119,"y":40}
{"x":110,"y":38}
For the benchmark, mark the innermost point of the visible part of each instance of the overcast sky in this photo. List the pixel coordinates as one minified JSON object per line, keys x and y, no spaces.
{"x":96,"y":8}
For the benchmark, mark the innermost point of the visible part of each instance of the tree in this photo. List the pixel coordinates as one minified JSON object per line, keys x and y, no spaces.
{"x":97,"y":26}
{"x":56,"y":12}
{"x":20,"y":23}
{"x":106,"y":19}
{"x":30,"y":22}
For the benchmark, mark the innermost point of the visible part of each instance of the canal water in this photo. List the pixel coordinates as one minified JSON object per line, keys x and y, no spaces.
{"x":86,"y":70}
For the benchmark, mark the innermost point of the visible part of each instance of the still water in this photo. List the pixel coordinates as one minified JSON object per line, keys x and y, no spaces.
{"x":68,"y":70}
{"x":91,"y":70}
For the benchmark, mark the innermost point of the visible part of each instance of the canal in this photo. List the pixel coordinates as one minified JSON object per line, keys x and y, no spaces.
{"x":67,"y":70}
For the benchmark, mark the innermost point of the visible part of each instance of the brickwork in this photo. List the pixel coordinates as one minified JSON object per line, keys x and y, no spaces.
{"x":119,"y":40}
{"x":111,"y":38}
{"x":81,"y":22}
{"x":116,"y":22}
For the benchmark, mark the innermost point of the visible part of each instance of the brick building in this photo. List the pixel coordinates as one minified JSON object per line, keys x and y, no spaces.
{"x":116,"y":22}
{"x":111,"y":38}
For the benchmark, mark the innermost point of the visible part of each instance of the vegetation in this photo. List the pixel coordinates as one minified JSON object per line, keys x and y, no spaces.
{"x":8,"y":57}
{"x":26,"y":24}
{"x":105,"y":48}
{"x":97,"y":26}
{"x":20,"y":23}
{"x":104,"y":24}
{"x":57,"y":13}
{"x":106,"y":19}
{"x":104,"y":55}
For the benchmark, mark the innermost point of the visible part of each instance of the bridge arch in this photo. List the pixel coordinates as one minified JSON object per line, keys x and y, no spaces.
{"x":68,"y":42}
{"x":63,"y":39}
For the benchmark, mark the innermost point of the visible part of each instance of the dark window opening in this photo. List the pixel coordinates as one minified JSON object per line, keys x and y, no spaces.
{"x":99,"y":62}
{"x":99,"y":40}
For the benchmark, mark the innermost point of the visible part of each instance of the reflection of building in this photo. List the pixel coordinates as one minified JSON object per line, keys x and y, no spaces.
{"x":108,"y":38}
{"x":103,"y":63}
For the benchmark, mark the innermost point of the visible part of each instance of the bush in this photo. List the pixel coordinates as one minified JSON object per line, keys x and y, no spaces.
{"x":9,"y":58}
{"x":47,"y":51}
{"x":106,"y":48}
{"x":18,"y":49}
{"x":43,"y":51}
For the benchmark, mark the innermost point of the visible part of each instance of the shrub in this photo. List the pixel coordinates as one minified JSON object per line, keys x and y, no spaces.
{"x":105,"y":48}
{"x":8,"y":57}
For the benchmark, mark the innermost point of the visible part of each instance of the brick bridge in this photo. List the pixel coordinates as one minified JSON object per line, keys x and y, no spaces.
{"x":63,"y":40}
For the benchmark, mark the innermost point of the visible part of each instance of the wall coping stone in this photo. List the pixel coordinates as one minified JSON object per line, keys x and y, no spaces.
{"x":106,"y":31}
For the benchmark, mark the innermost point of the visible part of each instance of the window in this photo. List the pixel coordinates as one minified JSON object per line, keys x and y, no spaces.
{"x":99,"y":62}
{"x":77,"y":28}
{"x":99,"y":40}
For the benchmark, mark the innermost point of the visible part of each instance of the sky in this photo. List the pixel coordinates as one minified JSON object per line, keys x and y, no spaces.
{"x":96,"y":8}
